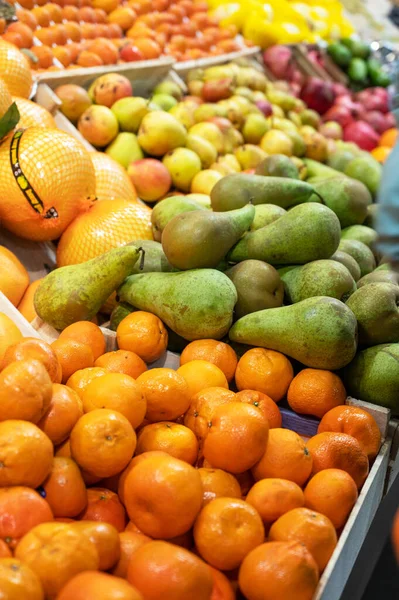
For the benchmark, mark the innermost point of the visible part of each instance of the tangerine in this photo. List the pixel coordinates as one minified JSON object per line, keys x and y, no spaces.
{"x":265,"y":371}
{"x":332,"y":493}
{"x":143,"y":333}
{"x":166,"y":393}
{"x":220,"y":354}
{"x":315,"y":392}
{"x":122,"y":361}
{"x":65,"y":489}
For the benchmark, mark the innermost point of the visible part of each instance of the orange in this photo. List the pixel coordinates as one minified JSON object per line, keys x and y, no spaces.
{"x":143,"y":333}
{"x":166,"y":393}
{"x":285,"y":569}
{"x":202,"y":408}
{"x":395,"y":535}
{"x":24,"y":31}
{"x":201,"y":374}
{"x":266,"y":405}
{"x":122,"y":16}
{"x":21,"y":509}
{"x":17,"y":581}
{"x":237,"y":437}
{"x":129,"y":543}
{"x":332,"y":493}
{"x":26,"y":454}
{"x":105,"y":49}
{"x":34,"y":349}
{"x":26,"y":306}
{"x":265,"y":371}
{"x":107,"y":5}
{"x":74,"y":34}
{"x":9,"y":334}
{"x":389,"y":138}
{"x":150,"y":49}
{"x":222,"y":588}
{"x":25,"y":391}
{"x":102,"y":442}
{"x":356,"y":422}
{"x":339,"y":451}
{"x":88,"y":333}
{"x":79,"y":381}
{"x":65,"y":196}
{"x":5,"y":551}
{"x":64,"y":449}
{"x":119,"y":222}
{"x":13,"y":37}
{"x":100,"y":586}
{"x":72,"y":356}
{"x":56,"y":552}
{"x":65,"y":488}
{"x":315,"y":392}
{"x":273,"y":497}
{"x":89,"y":59}
{"x":104,"y":506}
{"x":286,"y":457}
{"x":135,"y":461}
{"x":64,"y":411}
{"x":44,"y":54}
{"x":226,"y":530}
{"x":381,"y":153}
{"x":159,"y":569}
{"x":118,"y":392}
{"x":14,"y":69}
{"x":112,"y":180}
{"x":14,"y":278}
{"x":122,"y":361}
{"x":27,"y":17}
{"x":105,"y":537}
{"x":42,"y":15}
{"x":220,"y":354}
{"x":163,"y":496}
{"x":310,"y":528}
{"x":174,"y":439}
{"x":218,"y":484}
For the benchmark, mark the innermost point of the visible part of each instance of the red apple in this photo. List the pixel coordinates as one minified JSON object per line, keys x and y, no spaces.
{"x":340,"y":114}
{"x":362,"y":134}
{"x":341,"y":90}
{"x":150,"y":177}
{"x":265,"y":107}
{"x":278,"y":59}
{"x":377,"y":120}
{"x":319,"y":95}
{"x":374,"y":99}
{"x":130,"y":53}
{"x":217,"y":89}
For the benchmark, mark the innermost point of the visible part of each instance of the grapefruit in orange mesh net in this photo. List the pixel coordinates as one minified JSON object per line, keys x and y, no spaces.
{"x":5,"y":98}
{"x":15,"y":70}
{"x":107,"y":224}
{"x":51,"y":184}
{"x":33,"y":115}
{"x":112,"y":181}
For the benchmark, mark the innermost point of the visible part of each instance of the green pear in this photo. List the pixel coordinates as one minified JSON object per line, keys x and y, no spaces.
{"x":281,"y":99}
{"x":318,"y":278}
{"x":77,"y":292}
{"x":361,"y":233}
{"x":349,"y":262}
{"x":372,"y":212}
{"x":200,"y":239}
{"x":236,"y":190}
{"x":320,"y":171}
{"x":183,"y":165}
{"x":165,"y":210}
{"x":170,"y":88}
{"x":373,"y":376}
{"x":207,"y":111}
{"x":258,"y":286}
{"x":266,"y":214}
{"x":130,"y":112}
{"x":184,"y":114}
{"x":340,"y":159}
{"x":278,"y":165}
{"x":310,"y":117}
{"x":153,"y":259}
{"x":307,"y":232}
{"x":195,"y":304}
{"x":164,"y":101}
{"x":254,"y":128}
{"x":367,"y":170}
{"x":319,"y":332}
{"x":125,"y":149}
{"x":361,"y":253}
{"x":202,"y":199}
{"x":205,"y":150}
{"x":379,"y":277}
{"x":210,"y":132}
{"x":375,"y":307}
{"x":249,"y":156}
{"x":120,"y":311}
{"x":347,"y":197}
{"x":160,"y":133}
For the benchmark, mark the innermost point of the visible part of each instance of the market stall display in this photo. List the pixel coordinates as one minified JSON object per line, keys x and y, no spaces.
{"x":197,"y":330}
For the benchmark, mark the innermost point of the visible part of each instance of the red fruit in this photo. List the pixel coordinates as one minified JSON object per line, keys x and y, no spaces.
{"x":278,"y":59}
{"x":377,"y":120}
{"x":374,"y":99}
{"x":222,"y":123}
{"x":340,"y":114}
{"x":341,"y":90}
{"x":362,"y":134}
{"x":265,"y":107}
{"x":150,"y":178}
{"x":130,"y":53}
{"x":356,"y":108}
{"x":216,"y":90}
{"x":319,"y":95}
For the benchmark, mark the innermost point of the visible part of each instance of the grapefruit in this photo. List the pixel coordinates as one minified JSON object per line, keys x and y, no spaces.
{"x":112,"y":181}
{"x":15,"y":70}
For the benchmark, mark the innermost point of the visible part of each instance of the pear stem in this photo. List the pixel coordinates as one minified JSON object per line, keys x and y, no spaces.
{"x":142,"y":258}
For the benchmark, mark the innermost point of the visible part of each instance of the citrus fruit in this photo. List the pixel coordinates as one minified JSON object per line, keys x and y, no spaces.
{"x":166,"y":393}
{"x":112,"y":181}
{"x":266,"y":405}
{"x":122,"y":361}
{"x":14,"y":278}
{"x":100,"y":586}
{"x":62,"y":414}
{"x":202,"y":374}
{"x":174,"y":439}
{"x":202,"y":408}
{"x":17,"y":580}
{"x":72,"y":356}
{"x":129,"y":541}
{"x":332,"y":493}
{"x":65,"y":489}
{"x":15,"y":70}
{"x":218,"y":353}
{"x":33,"y":115}
{"x":26,"y":306}
{"x":34,"y":349}
{"x":217,"y":483}
{"x":104,"y":506}
{"x":88,"y":333}
{"x":105,"y":537}
{"x":265,"y":371}
{"x":273,"y":497}
{"x":9,"y":334}
{"x":81,"y":379}
{"x":315,"y":392}
{"x":143,"y":333}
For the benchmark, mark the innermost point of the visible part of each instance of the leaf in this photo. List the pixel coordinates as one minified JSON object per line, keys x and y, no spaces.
{"x":9,"y":120}
{"x":7,"y":11}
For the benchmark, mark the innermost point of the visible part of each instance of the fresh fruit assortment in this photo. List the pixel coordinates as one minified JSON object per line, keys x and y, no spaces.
{"x":124,"y":481}
{"x":356,"y":59}
{"x":106,"y":32}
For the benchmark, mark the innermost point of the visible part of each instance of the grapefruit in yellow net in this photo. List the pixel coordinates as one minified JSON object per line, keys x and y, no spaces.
{"x":33,"y":115}
{"x":5,"y":98}
{"x":15,"y":70}
{"x":46,"y":179}
{"x":107,"y":224}
{"x":112,"y":181}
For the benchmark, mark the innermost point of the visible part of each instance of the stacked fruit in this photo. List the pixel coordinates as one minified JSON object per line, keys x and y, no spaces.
{"x":104,"y":32}
{"x":124,"y":481}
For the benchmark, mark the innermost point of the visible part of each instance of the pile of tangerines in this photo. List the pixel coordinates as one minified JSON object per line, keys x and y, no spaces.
{"x":87,"y":33}
{"x":118,"y":481}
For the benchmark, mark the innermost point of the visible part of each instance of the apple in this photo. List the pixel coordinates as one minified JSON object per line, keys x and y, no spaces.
{"x":362,"y":134}
{"x":130,"y":53}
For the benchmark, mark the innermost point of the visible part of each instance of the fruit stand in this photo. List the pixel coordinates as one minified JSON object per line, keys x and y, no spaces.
{"x":198,"y":329}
